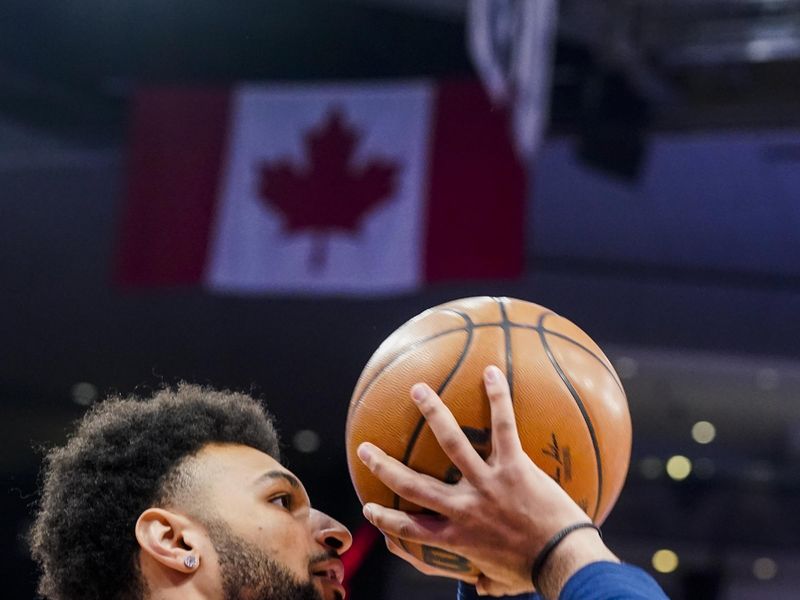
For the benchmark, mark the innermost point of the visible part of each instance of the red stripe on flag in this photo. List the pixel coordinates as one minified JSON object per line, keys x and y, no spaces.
{"x":177,"y":147}
{"x":477,"y":187}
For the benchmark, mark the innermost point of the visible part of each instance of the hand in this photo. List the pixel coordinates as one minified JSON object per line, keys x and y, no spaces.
{"x":500,"y":513}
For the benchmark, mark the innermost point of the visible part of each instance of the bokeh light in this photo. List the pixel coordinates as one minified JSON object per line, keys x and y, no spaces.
{"x":679,"y":467}
{"x":665,"y":561}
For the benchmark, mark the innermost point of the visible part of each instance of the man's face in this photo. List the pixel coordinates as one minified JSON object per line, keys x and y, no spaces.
{"x":270,"y":543}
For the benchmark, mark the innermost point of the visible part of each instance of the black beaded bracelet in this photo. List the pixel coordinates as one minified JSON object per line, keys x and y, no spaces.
{"x":545,"y":552}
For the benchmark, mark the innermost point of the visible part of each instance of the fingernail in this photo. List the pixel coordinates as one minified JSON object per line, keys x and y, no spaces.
{"x":419,"y":392}
{"x":364,"y":451}
{"x":491,"y":374}
{"x":367,"y":512}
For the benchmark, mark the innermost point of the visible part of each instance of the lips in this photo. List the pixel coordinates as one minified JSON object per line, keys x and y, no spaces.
{"x":331,"y":574}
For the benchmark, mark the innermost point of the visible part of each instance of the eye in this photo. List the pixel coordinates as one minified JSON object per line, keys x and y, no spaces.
{"x":283,"y":500}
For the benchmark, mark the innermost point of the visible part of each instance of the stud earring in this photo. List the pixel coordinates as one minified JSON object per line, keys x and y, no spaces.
{"x":191,"y":561}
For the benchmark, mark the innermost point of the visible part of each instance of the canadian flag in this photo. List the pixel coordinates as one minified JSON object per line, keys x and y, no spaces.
{"x":368,"y":188}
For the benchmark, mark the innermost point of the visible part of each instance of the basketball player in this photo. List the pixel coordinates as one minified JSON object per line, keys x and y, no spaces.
{"x":182,"y":496}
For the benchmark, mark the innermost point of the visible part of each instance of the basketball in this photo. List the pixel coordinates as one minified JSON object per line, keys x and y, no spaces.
{"x":571,"y":410}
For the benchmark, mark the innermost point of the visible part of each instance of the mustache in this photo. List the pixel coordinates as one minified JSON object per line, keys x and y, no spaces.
{"x":327,"y":555}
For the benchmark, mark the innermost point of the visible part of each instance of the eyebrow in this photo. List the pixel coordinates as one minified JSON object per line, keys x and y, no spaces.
{"x":272,"y":475}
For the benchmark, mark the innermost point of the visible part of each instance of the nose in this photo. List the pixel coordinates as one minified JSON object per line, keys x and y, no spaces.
{"x":330,"y":533}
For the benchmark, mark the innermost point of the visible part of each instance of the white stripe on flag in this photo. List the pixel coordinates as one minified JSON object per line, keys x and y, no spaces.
{"x":251,"y":250}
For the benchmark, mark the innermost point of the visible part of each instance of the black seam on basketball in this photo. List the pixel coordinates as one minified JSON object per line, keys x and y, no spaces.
{"x":421,"y":422}
{"x":501,"y":324}
{"x":506,"y":325}
{"x":604,"y":364}
{"x":566,"y":338}
{"x":588,"y":351}
{"x":400,"y":353}
{"x":575,"y":396}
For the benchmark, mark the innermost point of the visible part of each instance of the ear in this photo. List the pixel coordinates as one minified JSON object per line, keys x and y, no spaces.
{"x":169,"y":538}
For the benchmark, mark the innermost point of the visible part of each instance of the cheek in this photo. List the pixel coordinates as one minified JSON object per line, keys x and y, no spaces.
{"x":287,"y":541}
{"x":279,"y":535}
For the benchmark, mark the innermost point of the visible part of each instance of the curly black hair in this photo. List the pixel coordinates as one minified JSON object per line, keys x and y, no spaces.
{"x":122,"y":459}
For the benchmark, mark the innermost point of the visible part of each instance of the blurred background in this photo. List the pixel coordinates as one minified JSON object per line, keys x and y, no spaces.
{"x":654,"y":152}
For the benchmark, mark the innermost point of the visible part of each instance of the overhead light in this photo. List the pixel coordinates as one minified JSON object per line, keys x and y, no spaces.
{"x":679,"y":467}
{"x":651,"y":467}
{"x":759,"y":471}
{"x":704,"y":468}
{"x":626,"y":367}
{"x":665,"y":561}
{"x":767,"y":379}
{"x":703,"y":432}
{"x":764,"y":568}
{"x":306,"y":441}
{"x":83,"y":393}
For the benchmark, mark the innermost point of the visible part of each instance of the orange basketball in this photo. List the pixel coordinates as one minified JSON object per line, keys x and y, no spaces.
{"x":571,"y":410}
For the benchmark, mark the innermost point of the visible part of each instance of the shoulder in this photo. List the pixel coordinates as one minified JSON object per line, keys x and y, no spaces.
{"x":598,"y":581}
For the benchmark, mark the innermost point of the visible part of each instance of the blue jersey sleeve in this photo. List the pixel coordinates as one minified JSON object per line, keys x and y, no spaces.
{"x":611,"y":581}
{"x":597,"y":581}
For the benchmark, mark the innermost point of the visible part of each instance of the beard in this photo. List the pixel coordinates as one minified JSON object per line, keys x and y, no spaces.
{"x":248,"y":573}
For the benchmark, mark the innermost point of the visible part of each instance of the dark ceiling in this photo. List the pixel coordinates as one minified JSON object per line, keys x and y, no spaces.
{"x":70,"y":66}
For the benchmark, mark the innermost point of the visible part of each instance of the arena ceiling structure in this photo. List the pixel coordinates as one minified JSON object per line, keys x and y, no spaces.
{"x":694,"y":340}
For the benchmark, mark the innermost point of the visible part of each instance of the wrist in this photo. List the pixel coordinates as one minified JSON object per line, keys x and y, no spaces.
{"x":577,"y":549}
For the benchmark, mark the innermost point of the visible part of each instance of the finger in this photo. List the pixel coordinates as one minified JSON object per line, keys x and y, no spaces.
{"x":448,"y":432}
{"x":418,"y":528}
{"x":505,"y":438}
{"x":424,"y":567}
{"x":482,"y":586}
{"x":416,"y":487}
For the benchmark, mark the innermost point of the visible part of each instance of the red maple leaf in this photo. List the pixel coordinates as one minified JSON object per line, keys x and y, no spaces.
{"x":328,"y":193}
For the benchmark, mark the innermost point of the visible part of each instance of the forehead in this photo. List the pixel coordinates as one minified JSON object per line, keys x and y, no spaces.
{"x":234,"y":463}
